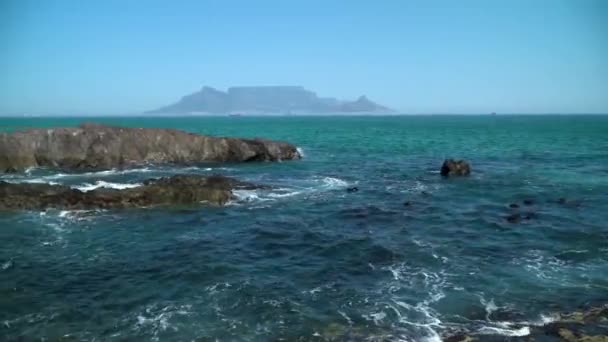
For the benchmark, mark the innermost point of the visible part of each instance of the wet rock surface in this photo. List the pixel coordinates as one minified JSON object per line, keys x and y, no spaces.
{"x":589,"y":325}
{"x":453,"y":167}
{"x":188,"y":190}
{"x":98,"y":147}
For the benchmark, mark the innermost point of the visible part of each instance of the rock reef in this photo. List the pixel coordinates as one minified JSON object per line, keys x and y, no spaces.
{"x":590,"y":325}
{"x":99,"y":147}
{"x":186,"y":190}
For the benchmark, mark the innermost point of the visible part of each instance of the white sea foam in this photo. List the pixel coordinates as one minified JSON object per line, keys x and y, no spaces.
{"x":246,"y":195}
{"x":319,"y":184}
{"x":284,"y":194}
{"x":155,"y":321}
{"x":32,"y":181}
{"x":103,"y":184}
{"x":112,"y":172}
{"x":523,"y":331}
{"x":333,"y":183}
{"x":419,"y":317}
{"x":7,"y":265}
{"x":300,"y":151}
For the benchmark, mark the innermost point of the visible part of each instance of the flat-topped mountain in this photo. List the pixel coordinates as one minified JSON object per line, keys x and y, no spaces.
{"x":266,"y":99}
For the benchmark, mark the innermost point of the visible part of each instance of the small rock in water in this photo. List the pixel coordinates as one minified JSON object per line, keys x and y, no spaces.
{"x":453,"y":167}
{"x":513,"y":205}
{"x":407,"y":204}
{"x":528,"y":201}
{"x":353,"y":189}
{"x":514,"y":218}
{"x":562,"y":200}
{"x":530,"y":216}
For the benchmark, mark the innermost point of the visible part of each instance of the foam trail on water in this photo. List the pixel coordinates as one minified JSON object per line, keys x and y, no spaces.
{"x":102,"y":184}
{"x":246,"y":195}
{"x":524,"y":331}
{"x":32,"y":181}
{"x":334,"y":183}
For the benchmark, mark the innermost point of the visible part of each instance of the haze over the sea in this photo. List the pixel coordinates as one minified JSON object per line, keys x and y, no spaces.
{"x":116,"y":57}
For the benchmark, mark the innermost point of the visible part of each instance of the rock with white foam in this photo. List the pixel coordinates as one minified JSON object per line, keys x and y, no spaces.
{"x":185,"y":190}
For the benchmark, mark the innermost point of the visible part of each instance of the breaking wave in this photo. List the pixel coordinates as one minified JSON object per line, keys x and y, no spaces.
{"x":102,"y":184}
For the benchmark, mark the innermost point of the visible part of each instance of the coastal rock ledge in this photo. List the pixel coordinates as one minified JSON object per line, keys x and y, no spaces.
{"x":184,"y":190}
{"x":99,"y":147}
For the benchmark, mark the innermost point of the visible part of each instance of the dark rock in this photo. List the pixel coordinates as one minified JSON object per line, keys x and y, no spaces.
{"x":553,"y":328}
{"x":458,"y":338}
{"x":172,"y":191}
{"x":562,"y":201}
{"x":514,"y":205}
{"x":93,"y":146}
{"x":353,"y":189}
{"x":528,"y":201}
{"x":514,"y":218}
{"x":407,"y":204}
{"x":452,"y":167}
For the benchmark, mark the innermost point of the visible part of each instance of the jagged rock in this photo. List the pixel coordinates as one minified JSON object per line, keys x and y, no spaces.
{"x":93,"y":146}
{"x":172,"y":191}
{"x":453,"y":167}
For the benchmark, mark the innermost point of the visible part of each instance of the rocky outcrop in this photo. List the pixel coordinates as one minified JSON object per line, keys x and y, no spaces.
{"x":173,"y":191}
{"x":589,"y":325}
{"x":453,"y":167}
{"x":93,"y":146}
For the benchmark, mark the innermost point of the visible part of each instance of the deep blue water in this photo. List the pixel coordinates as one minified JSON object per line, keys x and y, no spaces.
{"x":308,"y":260}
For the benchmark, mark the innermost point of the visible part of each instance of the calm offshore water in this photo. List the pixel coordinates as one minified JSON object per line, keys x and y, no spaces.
{"x":310,"y":261}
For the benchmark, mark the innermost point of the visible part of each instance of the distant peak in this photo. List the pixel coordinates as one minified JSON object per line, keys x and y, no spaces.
{"x":267,"y":99}
{"x":207,"y":88}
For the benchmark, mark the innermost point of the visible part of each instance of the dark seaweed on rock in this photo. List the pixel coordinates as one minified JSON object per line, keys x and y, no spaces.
{"x":98,"y":147}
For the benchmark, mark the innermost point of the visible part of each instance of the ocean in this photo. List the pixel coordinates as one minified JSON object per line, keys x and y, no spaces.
{"x":410,"y":256}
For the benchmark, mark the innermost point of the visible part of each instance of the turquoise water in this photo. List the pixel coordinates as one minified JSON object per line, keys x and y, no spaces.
{"x":308,"y":260}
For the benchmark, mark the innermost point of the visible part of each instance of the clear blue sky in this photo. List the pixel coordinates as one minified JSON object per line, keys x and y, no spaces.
{"x":114,"y":56}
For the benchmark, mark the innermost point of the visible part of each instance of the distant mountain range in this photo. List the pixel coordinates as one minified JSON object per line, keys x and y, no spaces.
{"x":266,"y":100}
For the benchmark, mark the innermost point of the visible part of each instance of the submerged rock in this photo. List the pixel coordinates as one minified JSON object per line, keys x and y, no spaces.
{"x":93,"y":146}
{"x":528,"y":201}
{"x":453,"y":167}
{"x":353,"y":189}
{"x":171,"y":191}
{"x":514,"y":218}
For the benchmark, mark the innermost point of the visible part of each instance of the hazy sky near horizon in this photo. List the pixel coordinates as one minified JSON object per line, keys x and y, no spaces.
{"x":112,"y":56}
